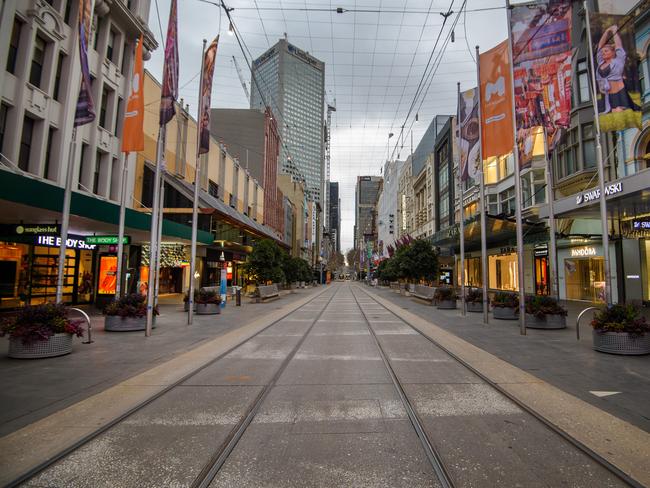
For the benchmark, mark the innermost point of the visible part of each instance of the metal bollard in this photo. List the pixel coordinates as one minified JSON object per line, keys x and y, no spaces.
{"x":238,"y":297}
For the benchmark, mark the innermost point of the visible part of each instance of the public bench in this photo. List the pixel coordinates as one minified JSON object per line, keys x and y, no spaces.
{"x":264,"y":292}
{"x":394,"y":285}
{"x":423,"y":292}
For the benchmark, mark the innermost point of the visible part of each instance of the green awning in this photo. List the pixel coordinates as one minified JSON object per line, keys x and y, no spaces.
{"x":36,"y":193}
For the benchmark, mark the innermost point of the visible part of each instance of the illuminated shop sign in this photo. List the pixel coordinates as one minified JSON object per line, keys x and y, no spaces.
{"x":592,"y":195}
{"x":579,"y":252}
{"x":73,"y":242}
{"x":641,"y":224}
{"x":106,"y":240}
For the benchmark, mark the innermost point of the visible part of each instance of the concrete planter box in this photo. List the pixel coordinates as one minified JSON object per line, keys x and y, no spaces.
{"x":57,"y":345}
{"x":474,"y":307}
{"x":621,"y":343}
{"x":553,"y":321}
{"x":505,"y":313}
{"x":208,"y":308}
{"x":446,"y":305}
{"x":115,"y":323}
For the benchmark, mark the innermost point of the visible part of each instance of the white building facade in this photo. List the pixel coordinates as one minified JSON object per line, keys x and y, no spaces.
{"x":387,"y":217}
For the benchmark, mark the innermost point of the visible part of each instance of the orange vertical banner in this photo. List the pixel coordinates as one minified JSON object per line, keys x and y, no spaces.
{"x":133,"y":131}
{"x":496,"y":101}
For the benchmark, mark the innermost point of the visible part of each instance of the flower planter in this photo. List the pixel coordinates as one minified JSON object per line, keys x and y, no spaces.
{"x":474,"y":307}
{"x":208,"y":308}
{"x":186,"y":307}
{"x":550,"y":321}
{"x":505,"y":313}
{"x":115,"y":323}
{"x":621,"y":343}
{"x":57,"y":345}
{"x":446,"y":305}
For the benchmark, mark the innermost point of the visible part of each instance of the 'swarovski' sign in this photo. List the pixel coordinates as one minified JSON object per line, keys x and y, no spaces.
{"x":591,"y":195}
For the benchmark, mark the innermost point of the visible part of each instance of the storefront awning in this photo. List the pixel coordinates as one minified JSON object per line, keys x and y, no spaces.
{"x":501,"y":231}
{"x":96,"y":215}
{"x":208,"y":201}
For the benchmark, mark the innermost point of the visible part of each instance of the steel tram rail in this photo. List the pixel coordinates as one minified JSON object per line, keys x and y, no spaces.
{"x":80,"y":443}
{"x":624,"y":477}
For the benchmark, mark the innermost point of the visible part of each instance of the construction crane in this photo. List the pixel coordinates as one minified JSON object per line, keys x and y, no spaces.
{"x":241,"y":79}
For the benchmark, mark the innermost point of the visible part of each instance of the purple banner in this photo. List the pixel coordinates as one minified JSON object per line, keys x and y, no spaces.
{"x":169,"y":92}
{"x":85,"y":111}
{"x":206,"y":92}
{"x":469,"y":126}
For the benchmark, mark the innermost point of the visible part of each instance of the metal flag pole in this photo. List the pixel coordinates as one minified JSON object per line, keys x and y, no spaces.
{"x":462,"y":212}
{"x":161,"y":199}
{"x":601,"y":166}
{"x":153,"y":247}
{"x":197,"y":186}
{"x":552,"y":250}
{"x":518,"y":219}
{"x":120,"y":231}
{"x":65,"y":219}
{"x":484,"y":264}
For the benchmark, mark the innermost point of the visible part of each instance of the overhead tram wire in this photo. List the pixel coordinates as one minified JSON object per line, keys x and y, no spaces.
{"x":341,"y":10}
{"x":424,"y":76}
{"x":432,"y":73}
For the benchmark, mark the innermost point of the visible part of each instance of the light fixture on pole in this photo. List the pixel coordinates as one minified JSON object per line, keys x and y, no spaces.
{"x":390,"y":134}
{"x":231,"y":30}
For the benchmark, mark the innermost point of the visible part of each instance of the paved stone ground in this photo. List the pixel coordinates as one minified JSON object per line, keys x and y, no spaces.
{"x":33,"y":389}
{"x":333,"y":418}
{"x":554,"y":356}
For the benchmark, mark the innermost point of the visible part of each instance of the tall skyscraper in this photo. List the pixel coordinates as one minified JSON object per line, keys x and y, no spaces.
{"x":292,"y":83}
{"x":334,"y":213}
{"x":366,"y":196}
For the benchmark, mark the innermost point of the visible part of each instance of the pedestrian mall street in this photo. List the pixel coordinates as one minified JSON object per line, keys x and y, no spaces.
{"x":342,"y":385}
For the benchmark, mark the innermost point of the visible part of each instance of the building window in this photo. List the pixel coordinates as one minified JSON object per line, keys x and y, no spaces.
{"x":567,"y":154}
{"x":213,"y":189}
{"x":584,"y":94}
{"x":26,"y":144}
{"x":120,"y":116}
{"x":38,"y":59}
{"x":493,"y":204}
{"x":82,"y":164}
{"x":104,"y":108}
{"x":498,"y":168}
{"x":48,"y":152}
{"x":507,"y":201}
{"x":14,"y":42}
{"x":588,"y":146}
{"x":95,"y":28}
{"x":110,"y":48}
{"x":68,"y":11}
{"x":57,"y":79}
{"x":98,"y":169}
{"x":4,"y":111}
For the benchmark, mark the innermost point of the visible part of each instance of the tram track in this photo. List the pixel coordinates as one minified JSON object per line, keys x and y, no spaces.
{"x":431,"y":452}
{"x":622,"y":476}
{"x":52,"y":460}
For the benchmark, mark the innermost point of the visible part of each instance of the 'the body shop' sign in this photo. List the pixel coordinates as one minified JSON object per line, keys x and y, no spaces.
{"x":73,"y":242}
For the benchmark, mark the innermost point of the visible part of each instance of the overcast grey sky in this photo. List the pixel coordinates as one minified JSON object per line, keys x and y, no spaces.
{"x":374,"y":61}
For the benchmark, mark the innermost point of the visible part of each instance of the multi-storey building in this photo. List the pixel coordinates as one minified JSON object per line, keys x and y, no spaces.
{"x":251,"y":137}
{"x":292,"y":83}
{"x":39,"y":83}
{"x":365,"y":222}
{"x":387,"y":218}
{"x":405,"y":199}
{"x":334,"y":215}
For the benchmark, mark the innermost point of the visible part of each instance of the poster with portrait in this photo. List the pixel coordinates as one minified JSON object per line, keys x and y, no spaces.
{"x":469,"y":134}
{"x":541,"y":50}
{"x":206,"y":92}
{"x":616,"y":63}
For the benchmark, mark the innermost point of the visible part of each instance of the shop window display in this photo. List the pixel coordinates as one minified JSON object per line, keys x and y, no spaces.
{"x":503,"y":272}
{"x":585,"y":279}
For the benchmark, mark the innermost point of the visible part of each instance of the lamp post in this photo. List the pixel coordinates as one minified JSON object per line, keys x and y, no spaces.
{"x":320,"y":262}
{"x":390,"y":134}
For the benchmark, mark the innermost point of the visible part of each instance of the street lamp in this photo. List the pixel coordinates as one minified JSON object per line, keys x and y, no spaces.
{"x":320,"y":261}
{"x":390,"y":134}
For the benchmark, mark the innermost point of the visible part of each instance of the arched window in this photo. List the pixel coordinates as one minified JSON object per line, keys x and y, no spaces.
{"x":643,"y":150}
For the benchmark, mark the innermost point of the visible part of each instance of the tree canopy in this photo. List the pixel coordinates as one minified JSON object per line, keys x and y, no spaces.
{"x":264,"y":264}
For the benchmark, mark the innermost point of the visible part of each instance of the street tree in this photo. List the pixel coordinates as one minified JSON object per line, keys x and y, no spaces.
{"x":264,"y":263}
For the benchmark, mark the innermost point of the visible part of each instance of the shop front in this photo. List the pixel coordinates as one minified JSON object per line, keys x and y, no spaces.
{"x":231,"y":261}
{"x":174,"y":259}
{"x":581,"y":271}
{"x":29,"y":257}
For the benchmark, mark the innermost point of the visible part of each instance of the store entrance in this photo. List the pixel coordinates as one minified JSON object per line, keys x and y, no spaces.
{"x":541,"y":275}
{"x":585,"y":279}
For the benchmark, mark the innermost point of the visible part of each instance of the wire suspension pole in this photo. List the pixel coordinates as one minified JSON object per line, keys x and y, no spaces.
{"x":484,"y":264}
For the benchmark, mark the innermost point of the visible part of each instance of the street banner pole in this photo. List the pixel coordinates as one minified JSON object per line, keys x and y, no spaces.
{"x":484,"y":264}
{"x":153,"y":246}
{"x":601,"y":166}
{"x":552,"y":250}
{"x":161,"y":199}
{"x":462,"y":210}
{"x":197,"y":186}
{"x":518,"y":219}
{"x":120,"y":231}
{"x":65,"y":219}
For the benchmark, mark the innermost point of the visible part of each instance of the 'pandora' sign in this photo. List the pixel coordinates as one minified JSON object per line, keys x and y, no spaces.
{"x":586,"y":251}
{"x":590,"y":196}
